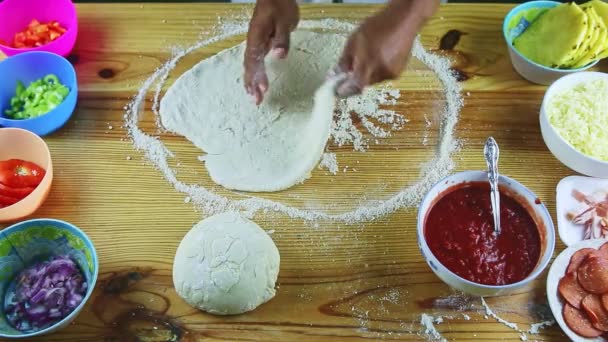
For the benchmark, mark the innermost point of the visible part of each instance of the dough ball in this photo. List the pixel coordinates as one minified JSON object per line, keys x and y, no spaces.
{"x":226,"y":265}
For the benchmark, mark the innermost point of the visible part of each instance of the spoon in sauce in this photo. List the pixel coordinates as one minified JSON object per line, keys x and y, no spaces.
{"x":491,"y":152}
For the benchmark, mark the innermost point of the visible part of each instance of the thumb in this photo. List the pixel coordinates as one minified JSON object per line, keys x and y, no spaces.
{"x":279,"y":44}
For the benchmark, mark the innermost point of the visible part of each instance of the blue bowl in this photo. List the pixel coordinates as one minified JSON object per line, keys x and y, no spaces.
{"x":30,"y":241}
{"x":528,"y":69}
{"x":29,"y":67}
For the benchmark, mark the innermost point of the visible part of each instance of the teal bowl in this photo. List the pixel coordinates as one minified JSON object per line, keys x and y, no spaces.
{"x":515,"y":24}
{"x":27,"y":242}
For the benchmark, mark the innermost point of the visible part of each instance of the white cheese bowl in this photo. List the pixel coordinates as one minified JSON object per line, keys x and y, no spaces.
{"x":561,"y":149}
{"x":536,"y":208}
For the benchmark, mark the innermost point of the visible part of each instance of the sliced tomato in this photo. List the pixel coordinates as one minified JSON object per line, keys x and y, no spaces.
{"x":19,"y":193}
{"x":7,"y":200}
{"x":16,"y":173}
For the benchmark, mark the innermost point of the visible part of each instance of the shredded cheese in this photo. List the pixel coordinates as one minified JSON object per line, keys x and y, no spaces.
{"x":580,"y":116}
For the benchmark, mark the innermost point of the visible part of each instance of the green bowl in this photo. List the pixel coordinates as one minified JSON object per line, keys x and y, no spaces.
{"x":28,"y":242}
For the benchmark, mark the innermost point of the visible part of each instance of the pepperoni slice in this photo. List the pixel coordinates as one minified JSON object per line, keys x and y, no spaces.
{"x":571,"y":290}
{"x":578,"y":322}
{"x":604,"y":250}
{"x":593,"y":274}
{"x":605,"y":301}
{"x":592,"y":305}
{"x":577,"y":258}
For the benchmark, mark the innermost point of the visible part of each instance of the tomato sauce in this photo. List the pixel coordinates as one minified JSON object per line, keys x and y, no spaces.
{"x":459,"y":230}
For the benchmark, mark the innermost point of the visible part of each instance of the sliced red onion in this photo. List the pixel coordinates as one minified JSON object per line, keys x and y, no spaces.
{"x":44,"y":294}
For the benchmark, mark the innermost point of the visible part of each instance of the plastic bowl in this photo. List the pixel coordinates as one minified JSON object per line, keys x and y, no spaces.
{"x":524,"y":195}
{"x":528,"y":69}
{"x":22,"y":144}
{"x":561,"y":149}
{"x":31,"y":66}
{"x":15,"y":15}
{"x":30,"y":241}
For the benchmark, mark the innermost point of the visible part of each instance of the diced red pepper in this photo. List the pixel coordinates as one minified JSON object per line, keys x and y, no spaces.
{"x":38,"y":34}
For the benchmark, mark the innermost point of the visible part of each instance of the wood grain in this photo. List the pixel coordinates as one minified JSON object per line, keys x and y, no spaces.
{"x":336,"y":282}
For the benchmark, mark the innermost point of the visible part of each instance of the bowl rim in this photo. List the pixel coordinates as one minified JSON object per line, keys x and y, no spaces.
{"x":546,"y":254}
{"x":73,"y":26}
{"x":544,"y":103}
{"x":49,"y":164}
{"x":60,"y":59}
{"x":528,"y":5}
{"x":91,"y":286}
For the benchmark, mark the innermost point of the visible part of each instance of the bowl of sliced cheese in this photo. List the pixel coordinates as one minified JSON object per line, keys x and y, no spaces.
{"x":574,"y":121}
{"x":548,"y":39}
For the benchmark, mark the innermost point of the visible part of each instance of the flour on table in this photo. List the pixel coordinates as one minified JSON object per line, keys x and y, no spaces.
{"x":534,"y":328}
{"x":366,"y":109}
{"x":329,"y":162}
{"x":428,"y":323}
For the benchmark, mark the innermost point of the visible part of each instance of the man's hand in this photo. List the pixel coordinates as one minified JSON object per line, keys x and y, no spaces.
{"x":269,"y":30}
{"x":378,"y":50}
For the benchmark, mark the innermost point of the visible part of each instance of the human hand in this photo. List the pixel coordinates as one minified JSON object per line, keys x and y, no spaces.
{"x":269,"y":30}
{"x":379,"y":49}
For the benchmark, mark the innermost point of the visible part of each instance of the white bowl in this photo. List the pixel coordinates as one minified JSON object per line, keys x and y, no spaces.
{"x":556,"y":272}
{"x":539,"y":213}
{"x":528,"y":69}
{"x":561,"y":149}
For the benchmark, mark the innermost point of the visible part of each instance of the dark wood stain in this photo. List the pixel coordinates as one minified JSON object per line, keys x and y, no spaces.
{"x":121,"y":282}
{"x":450,"y":39}
{"x":128,"y":320}
{"x":460,"y":75}
{"x":454,"y":302}
{"x":106,"y":73}
{"x":73,"y":58}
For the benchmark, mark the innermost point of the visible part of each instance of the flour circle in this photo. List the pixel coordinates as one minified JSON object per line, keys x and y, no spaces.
{"x":431,"y":172}
{"x":226,"y":265}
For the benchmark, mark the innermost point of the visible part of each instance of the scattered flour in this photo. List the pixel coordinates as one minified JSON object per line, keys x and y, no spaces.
{"x":491,"y":313}
{"x":212,"y":203}
{"x":329,"y":162}
{"x":428,"y":323}
{"x":366,"y":109}
{"x":534,"y":328}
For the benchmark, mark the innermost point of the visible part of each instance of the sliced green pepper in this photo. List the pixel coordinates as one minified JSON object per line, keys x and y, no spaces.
{"x":39,"y":98}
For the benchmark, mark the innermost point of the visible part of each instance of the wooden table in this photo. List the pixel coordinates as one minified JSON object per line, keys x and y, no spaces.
{"x":336,"y":282}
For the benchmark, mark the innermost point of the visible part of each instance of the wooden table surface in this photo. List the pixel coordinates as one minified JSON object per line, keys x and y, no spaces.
{"x":336,"y":282}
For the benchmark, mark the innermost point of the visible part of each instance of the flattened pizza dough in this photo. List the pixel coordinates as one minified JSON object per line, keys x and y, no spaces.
{"x":267,"y":148}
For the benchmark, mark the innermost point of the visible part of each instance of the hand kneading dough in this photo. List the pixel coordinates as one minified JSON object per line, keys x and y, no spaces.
{"x":226,"y":265}
{"x":267,"y":148}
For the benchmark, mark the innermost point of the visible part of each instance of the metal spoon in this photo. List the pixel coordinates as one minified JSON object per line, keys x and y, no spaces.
{"x":491,"y":153}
